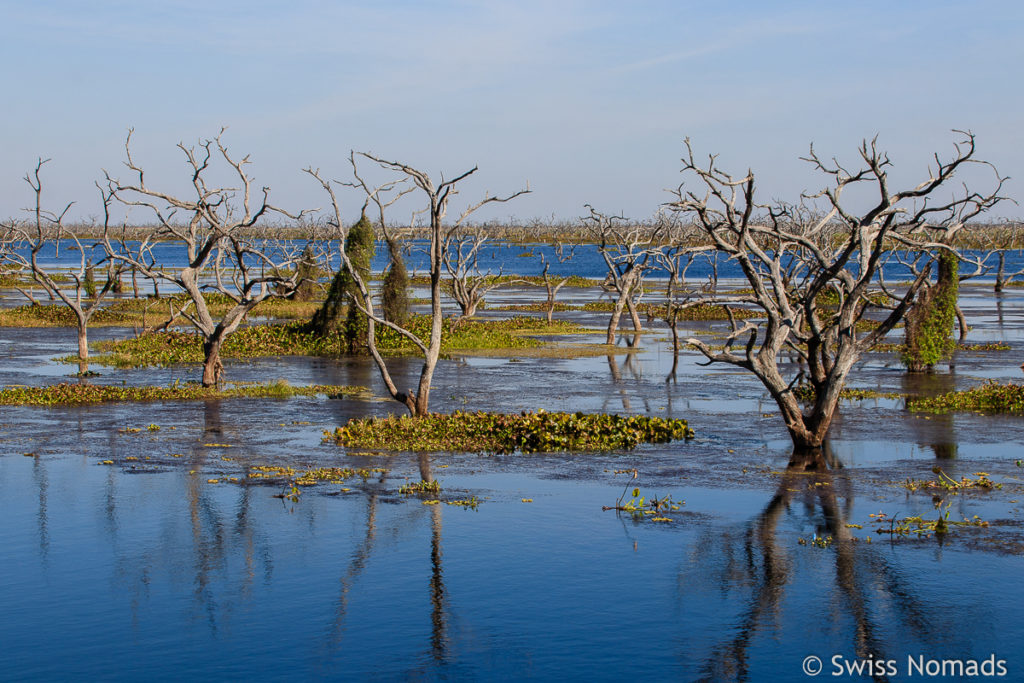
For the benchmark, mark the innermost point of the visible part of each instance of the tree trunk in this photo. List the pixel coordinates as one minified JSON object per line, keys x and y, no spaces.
{"x":212,"y":367}
{"x":83,"y":342}
{"x":633,"y":314}
{"x":613,"y":322}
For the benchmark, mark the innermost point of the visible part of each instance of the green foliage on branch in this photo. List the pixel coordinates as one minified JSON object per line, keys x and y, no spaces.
{"x":929,"y":330}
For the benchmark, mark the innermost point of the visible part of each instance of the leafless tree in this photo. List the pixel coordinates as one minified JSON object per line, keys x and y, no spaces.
{"x":792,"y":255}
{"x":437,"y":198}
{"x":461,"y":255}
{"x":25,"y":241}
{"x":1001,"y":240}
{"x":211,"y":224}
{"x":628,"y":250}
{"x":550,"y":285}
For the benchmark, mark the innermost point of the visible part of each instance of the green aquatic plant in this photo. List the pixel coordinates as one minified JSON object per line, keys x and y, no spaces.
{"x":991,"y":397}
{"x":641,"y":506}
{"x":295,"y":339}
{"x":505,"y":433}
{"x":418,"y":487}
{"x":944,"y":482}
{"x":915,"y":525}
{"x":70,"y":394}
{"x":805,"y":392}
{"x":960,"y":346}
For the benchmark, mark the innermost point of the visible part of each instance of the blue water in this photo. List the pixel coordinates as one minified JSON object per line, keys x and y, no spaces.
{"x":494,"y":257}
{"x":144,"y":570}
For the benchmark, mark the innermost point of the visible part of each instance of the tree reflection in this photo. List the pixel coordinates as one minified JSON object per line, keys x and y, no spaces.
{"x":759,"y":560}
{"x":631,"y":366}
{"x":938,"y":432}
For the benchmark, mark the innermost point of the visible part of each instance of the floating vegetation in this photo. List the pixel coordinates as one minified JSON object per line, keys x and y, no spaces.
{"x":951,"y":485}
{"x":702,"y":312}
{"x":58,"y":315}
{"x":295,"y":478}
{"x":920,"y":527}
{"x":505,"y":433}
{"x":640,"y":506}
{"x":990,"y":397}
{"x":817,"y":541}
{"x":129,"y":312}
{"x":295,"y":339}
{"x":72,"y":394}
{"x":418,"y":487}
{"x":805,"y":392}
{"x":890,"y":347}
{"x":537,"y":307}
{"x":571,"y":280}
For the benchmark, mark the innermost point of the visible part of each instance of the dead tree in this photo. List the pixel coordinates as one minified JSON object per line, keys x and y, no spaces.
{"x":437,"y":198}
{"x":211,"y":225}
{"x":792,"y":256}
{"x":628,"y":251}
{"x":25,"y":241}
{"x":461,"y":255}
{"x":550,"y":285}
{"x":1000,"y":241}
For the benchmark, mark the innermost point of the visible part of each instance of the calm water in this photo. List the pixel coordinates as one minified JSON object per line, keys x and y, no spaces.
{"x":144,"y":570}
{"x":495,"y":257}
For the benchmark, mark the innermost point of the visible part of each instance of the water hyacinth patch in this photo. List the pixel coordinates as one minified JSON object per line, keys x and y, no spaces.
{"x":991,"y":397}
{"x":506,"y":433}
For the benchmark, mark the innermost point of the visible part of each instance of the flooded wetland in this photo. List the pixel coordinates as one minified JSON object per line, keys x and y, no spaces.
{"x":169,"y":539}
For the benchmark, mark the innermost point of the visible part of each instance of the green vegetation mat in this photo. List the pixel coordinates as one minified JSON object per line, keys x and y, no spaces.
{"x":68,"y":394}
{"x":990,"y":397}
{"x":130,"y":312}
{"x":502,"y":433}
{"x":293,"y":339}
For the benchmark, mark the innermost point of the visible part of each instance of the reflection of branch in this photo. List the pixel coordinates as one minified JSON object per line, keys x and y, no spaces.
{"x":355,"y":568}
{"x":810,"y":475}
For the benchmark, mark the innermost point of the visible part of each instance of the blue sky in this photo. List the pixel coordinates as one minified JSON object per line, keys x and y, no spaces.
{"x":588,"y":101}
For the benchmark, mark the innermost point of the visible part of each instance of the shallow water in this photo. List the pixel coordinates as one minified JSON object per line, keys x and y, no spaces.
{"x":144,"y":570}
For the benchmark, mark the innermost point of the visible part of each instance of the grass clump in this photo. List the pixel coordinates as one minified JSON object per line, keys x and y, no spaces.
{"x":991,"y":397}
{"x":76,"y":394}
{"x":503,"y":433}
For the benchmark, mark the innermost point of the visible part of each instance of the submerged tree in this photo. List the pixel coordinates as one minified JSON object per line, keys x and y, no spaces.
{"x":221,"y":255}
{"x":628,"y":250}
{"x":437,"y":198}
{"x":469,"y":284}
{"x":24,"y":242}
{"x":551,"y":286}
{"x":814,"y":268}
